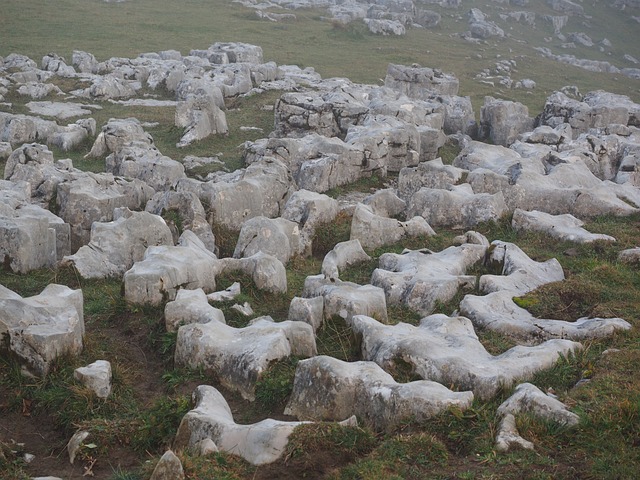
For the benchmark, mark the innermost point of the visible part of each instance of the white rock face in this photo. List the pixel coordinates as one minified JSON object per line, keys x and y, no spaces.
{"x":200,"y":117}
{"x":458,"y":207}
{"x":341,"y":256}
{"x":498,"y":312}
{"x":447,"y":350}
{"x":190,"y":306}
{"x":166,"y":269}
{"x":169,"y":467}
{"x":562,"y":227}
{"x":374,"y":231}
{"x":520,"y":274}
{"x":345,"y":299}
{"x":308,"y":310}
{"x":277,"y":237}
{"x":432,"y":174}
{"x":528,"y":398}
{"x":309,"y":210}
{"x":267,"y":272}
{"x":43,"y":327}
{"x":501,"y":121}
{"x":326,"y":388}
{"x":631,"y":256}
{"x":115,"y":246}
{"x":418,"y":279}
{"x":30,"y":236}
{"x":260,"y":443}
{"x":239,"y":356}
{"x":116,"y":134}
{"x":96,"y":376}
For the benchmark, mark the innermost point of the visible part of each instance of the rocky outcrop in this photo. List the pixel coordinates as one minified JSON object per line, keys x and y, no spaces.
{"x":42,"y":328}
{"x":237,"y":357}
{"x":563,"y":227}
{"x":190,"y":306}
{"x":325,"y":388}
{"x":447,"y":350}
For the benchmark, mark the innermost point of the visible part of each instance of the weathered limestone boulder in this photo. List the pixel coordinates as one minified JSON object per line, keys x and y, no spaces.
{"x":432,"y":174}
{"x":498,"y":159}
{"x":309,"y":210}
{"x":385,"y":203}
{"x":190,"y":306}
{"x":5,"y":151}
{"x":84,"y":62}
{"x":563,"y":227}
{"x":93,"y":197}
{"x":166,"y":269}
{"x":459,"y":116}
{"x":498,"y":312}
{"x":263,"y":188}
{"x":420,"y":83}
{"x":229,"y":293}
{"x":116,"y":134}
{"x":558,"y":22}
{"x":341,"y":256}
{"x":566,"y":6}
{"x":30,"y":236}
{"x":385,"y":27}
{"x":169,"y":467}
{"x":302,"y":113}
{"x":266,"y":271}
{"x":631,"y":256}
{"x":597,"y":110}
{"x":388,"y":143}
{"x":109,"y":87}
{"x":345,"y":299}
{"x":447,"y":350}
{"x":307,"y":310}
{"x":145,"y":163}
{"x":115,"y":246}
{"x":198,"y":87}
{"x":21,"y":129}
{"x":373,"y":230}
{"x":481,"y":27}
{"x":259,"y":443}
{"x":69,"y":137}
{"x":501,"y":121}
{"x":41,"y":328}
{"x":55,"y":63}
{"x":549,"y":136}
{"x":200,"y":117}
{"x":238,"y":356}
{"x":34,"y":164}
{"x":325,"y":388}
{"x":418,"y":279}
{"x":238,"y":52}
{"x":96,"y":376}
{"x":278,"y":237}
{"x":519,"y":273}
{"x":183,"y":211}
{"x":38,"y":90}
{"x":458,"y":207}
{"x":528,"y":398}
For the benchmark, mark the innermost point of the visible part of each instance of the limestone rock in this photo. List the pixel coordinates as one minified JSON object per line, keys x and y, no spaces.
{"x":309,"y":210}
{"x":563,"y":227}
{"x":168,"y":468}
{"x":325,"y":388}
{"x":345,"y":299}
{"x":385,"y":27}
{"x":190,"y":306}
{"x":447,"y":350}
{"x":200,"y":117}
{"x":498,"y":312}
{"x":528,"y":398}
{"x":183,"y":211}
{"x":508,"y":436}
{"x":432,"y":174}
{"x":519,"y":273}
{"x":96,"y":376}
{"x":260,"y":443}
{"x":631,"y":255}
{"x":501,"y":121}
{"x":457,"y":208}
{"x":166,"y":269}
{"x":116,"y":134}
{"x":147,"y":164}
{"x":341,"y":256}
{"x":418,"y":279}
{"x":93,"y":198}
{"x":373,"y":230}
{"x":239,"y":356}
{"x":307,"y":310}
{"x":266,"y":271}
{"x":43,"y":327}
{"x":420,"y":82}
{"x":115,"y":246}
{"x":277,"y":237}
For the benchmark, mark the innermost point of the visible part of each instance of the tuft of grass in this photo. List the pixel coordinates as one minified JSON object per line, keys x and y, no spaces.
{"x":275,"y":384}
{"x":159,"y":423}
{"x":335,"y":339}
{"x":308,"y":439}
{"x":328,"y":235}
